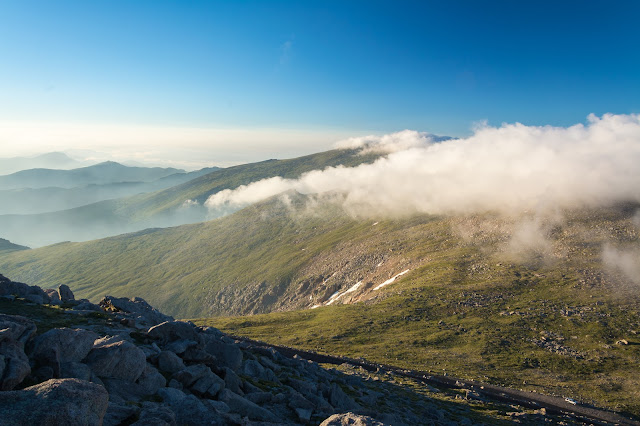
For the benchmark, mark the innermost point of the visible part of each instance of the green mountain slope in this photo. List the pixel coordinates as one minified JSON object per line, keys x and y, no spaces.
{"x":161,"y":208}
{"x":103,"y":173}
{"x":473,"y":295}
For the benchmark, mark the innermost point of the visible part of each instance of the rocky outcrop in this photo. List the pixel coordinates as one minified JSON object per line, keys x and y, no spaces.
{"x":138,"y":366}
{"x":350,"y":419}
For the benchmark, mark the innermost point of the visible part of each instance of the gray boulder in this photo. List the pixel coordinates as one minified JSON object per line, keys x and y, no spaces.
{"x":189,"y":409}
{"x":119,"y":413}
{"x":65,"y":293}
{"x":170,"y":362}
{"x":151,"y":380}
{"x":227,"y":355}
{"x":351,"y":419}
{"x":16,"y":328}
{"x":68,"y":402}
{"x":341,"y":400}
{"x":119,"y":360}
{"x":12,"y":288}
{"x":171,"y":331}
{"x":75,"y":370}
{"x":155,"y":414}
{"x":62,"y":345}
{"x":16,"y":364}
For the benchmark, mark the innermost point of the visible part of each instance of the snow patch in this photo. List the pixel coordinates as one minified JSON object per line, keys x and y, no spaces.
{"x":337,"y":295}
{"x":390,"y":280}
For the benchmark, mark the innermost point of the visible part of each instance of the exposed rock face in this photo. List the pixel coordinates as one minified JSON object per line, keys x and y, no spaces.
{"x":55,"y":402}
{"x":141,"y":367}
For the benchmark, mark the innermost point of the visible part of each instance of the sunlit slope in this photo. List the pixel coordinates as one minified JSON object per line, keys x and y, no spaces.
{"x":161,"y":208}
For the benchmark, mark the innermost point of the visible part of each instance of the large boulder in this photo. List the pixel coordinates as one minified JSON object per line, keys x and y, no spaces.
{"x":142,"y":312}
{"x":16,"y":365}
{"x":171,"y":331}
{"x":61,"y":345}
{"x":116,"y":359}
{"x":68,"y":402}
{"x":169,"y":362}
{"x":65,"y":293}
{"x":227,"y":354}
{"x":351,"y":419}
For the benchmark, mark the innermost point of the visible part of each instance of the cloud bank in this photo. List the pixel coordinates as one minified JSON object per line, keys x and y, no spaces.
{"x":511,"y":168}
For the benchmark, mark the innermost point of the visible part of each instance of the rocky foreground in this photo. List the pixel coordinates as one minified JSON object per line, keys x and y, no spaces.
{"x":121,"y":362}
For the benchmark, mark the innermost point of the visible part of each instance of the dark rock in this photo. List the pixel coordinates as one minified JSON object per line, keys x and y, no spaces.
{"x":16,"y":365}
{"x":151,"y":380}
{"x":227,"y":355}
{"x":54,"y":297}
{"x":180,"y":346}
{"x":232,"y":381}
{"x":61,"y":345}
{"x":245,"y":407}
{"x":87,"y":306}
{"x":118,"y":414}
{"x":171,"y":331}
{"x":65,"y":293}
{"x":68,"y":402}
{"x":124,"y":391}
{"x":341,"y":400}
{"x":118,"y":360}
{"x":155,"y":414}
{"x":170,"y":362}
{"x":75,"y":370}
{"x":188,"y":409}
{"x":259,"y":398}
{"x":35,"y":298}
{"x":16,"y":328}
{"x":12,"y":288}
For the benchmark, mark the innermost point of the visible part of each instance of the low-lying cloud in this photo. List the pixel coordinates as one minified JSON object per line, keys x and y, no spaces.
{"x":511,"y":168}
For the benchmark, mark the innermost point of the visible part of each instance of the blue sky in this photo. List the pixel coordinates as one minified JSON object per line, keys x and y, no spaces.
{"x":322,"y":69}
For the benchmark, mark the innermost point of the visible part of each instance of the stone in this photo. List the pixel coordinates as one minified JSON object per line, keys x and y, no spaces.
{"x":124,"y":391}
{"x":232,"y":381}
{"x":170,"y":362}
{"x":153,"y":414}
{"x":75,"y":370}
{"x":16,"y":365}
{"x":118,"y":360}
{"x":62,"y":345}
{"x":138,"y":307}
{"x":16,"y":328}
{"x":180,"y":346}
{"x":259,"y":398}
{"x":304,"y":414}
{"x":341,"y":400}
{"x":171,"y":331}
{"x":208,"y":386}
{"x":350,"y":419}
{"x":244,"y":407}
{"x":54,"y":297}
{"x":118,"y":414}
{"x":68,"y":402}
{"x":35,"y":298}
{"x":11,"y":288}
{"x":87,"y":306}
{"x":65,"y":293}
{"x":151,"y":380}
{"x":227,"y":355}
{"x":189,"y":409}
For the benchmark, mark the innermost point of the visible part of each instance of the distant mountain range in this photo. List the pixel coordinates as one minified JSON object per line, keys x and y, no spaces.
{"x":50,"y":199}
{"x":51,"y":160}
{"x":158,"y":209}
{"x":98,"y":174}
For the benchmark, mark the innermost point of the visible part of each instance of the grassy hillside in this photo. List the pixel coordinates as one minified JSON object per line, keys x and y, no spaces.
{"x":536,"y":303}
{"x":161,"y":208}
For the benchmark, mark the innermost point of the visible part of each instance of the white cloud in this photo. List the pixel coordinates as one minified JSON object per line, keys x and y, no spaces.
{"x":509,"y":168}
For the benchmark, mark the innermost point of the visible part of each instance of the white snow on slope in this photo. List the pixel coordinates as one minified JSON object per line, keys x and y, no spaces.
{"x":337,"y":295}
{"x":390,"y":280}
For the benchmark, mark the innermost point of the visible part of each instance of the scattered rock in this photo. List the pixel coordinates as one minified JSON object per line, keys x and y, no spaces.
{"x":118,"y":360}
